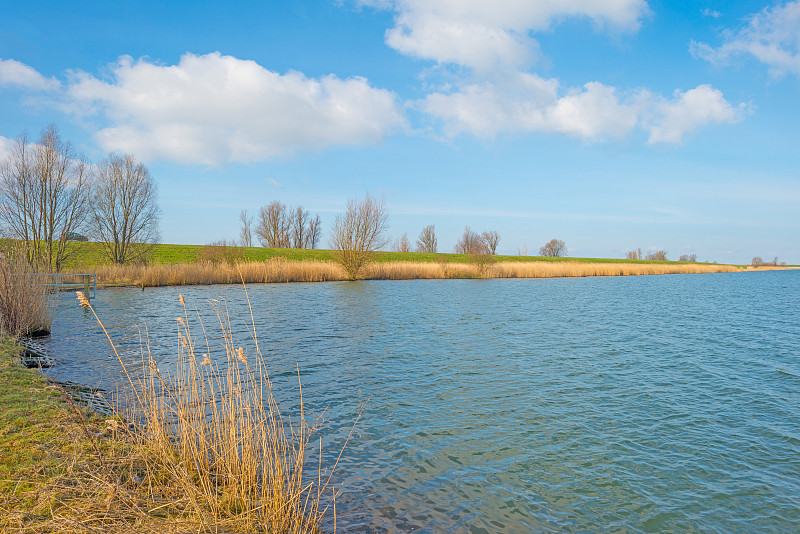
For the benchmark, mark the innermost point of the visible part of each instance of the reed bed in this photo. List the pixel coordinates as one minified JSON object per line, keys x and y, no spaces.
{"x":24,"y":301}
{"x":203,"y":449}
{"x":203,"y":273}
{"x":567,"y":269}
{"x":282,"y":270}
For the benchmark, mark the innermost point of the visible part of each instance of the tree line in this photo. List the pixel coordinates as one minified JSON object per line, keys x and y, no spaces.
{"x":282,"y":226}
{"x":50,"y":196}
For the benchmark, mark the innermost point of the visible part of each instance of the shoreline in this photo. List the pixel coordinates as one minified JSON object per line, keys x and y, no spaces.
{"x":281,"y":270}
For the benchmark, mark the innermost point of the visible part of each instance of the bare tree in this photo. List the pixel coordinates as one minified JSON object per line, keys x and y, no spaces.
{"x":274,"y":226}
{"x":470,"y":243}
{"x":300,"y":221}
{"x":757,"y":261}
{"x":358,"y":233}
{"x":124,"y":208}
{"x":43,"y":190}
{"x":688,"y":257}
{"x":491,"y":239}
{"x":657,"y":255}
{"x":246,"y":233}
{"x":554,"y":248}
{"x":634,"y":254}
{"x":426,"y":242}
{"x":402,"y":244}
{"x":314,"y":231}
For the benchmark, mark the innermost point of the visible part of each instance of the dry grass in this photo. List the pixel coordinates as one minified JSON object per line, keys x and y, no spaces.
{"x":281,"y":270}
{"x":24,"y":302}
{"x":200,"y":273}
{"x":205,"y":449}
{"x":555,"y":270}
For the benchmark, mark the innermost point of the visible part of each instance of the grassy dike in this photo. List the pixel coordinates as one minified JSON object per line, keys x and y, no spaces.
{"x":166,"y":254}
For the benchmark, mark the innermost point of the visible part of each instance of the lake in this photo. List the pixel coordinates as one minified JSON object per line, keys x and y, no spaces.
{"x":626,"y":404}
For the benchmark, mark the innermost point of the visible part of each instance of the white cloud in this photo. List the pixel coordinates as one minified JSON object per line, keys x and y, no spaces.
{"x":593,"y":113}
{"x":529,"y":103}
{"x":273,"y":182}
{"x":16,"y":74}
{"x":486,"y":109}
{"x":483,"y":35}
{"x":5,"y":147}
{"x":771,"y":36}
{"x":668,"y":121}
{"x":213,"y":109}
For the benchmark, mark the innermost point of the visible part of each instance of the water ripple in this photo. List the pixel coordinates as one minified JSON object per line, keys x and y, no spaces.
{"x":631,"y":404}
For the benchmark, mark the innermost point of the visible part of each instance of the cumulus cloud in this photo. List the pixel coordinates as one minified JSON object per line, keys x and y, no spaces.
{"x":16,"y":74}
{"x":771,"y":36}
{"x":595,"y":112}
{"x":213,"y":109}
{"x":481,"y":34}
{"x":668,"y":121}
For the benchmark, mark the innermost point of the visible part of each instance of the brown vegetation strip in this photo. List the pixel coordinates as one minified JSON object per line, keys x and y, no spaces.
{"x":281,"y":270}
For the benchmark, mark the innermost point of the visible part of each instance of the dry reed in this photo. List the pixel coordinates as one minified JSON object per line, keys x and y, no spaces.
{"x":201,"y":273}
{"x":282,"y":270}
{"x":574,"y":269}
{"x":201,"y":450}
{"x":24,"y":301}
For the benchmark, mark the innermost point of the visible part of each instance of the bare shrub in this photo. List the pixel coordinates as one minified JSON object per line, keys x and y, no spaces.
{"x":402,"y":244}
{"x":634,"y":254}
{"x":491,"y":240}
{"x":554,"y":248}
{"x":427,"y":242}
{"x":688,"y":257}
{"x":222,"y":251}
{"x":274,"y":225}
{"x":282,"y":227}
{"x":300,"y":220}
{"x":24,"y":300}
{"x":481,"y":263}
{"x":314,"y":232}
{"x":659,"y":255}
{"x":358,"y":233}
{"x":246,"y":233}
{"x":43,"y":190}
{"x":757,"y":261}
{"x":470,"y":243}
{"x":124,"y":209}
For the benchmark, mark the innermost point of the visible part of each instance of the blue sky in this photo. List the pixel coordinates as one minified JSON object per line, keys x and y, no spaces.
{"x":610,"y":125}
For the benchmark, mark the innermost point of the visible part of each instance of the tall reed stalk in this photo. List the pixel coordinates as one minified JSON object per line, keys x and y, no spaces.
{"x":214,"y":452}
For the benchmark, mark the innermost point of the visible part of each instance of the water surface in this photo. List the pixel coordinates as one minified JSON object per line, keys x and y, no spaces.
{"x":631,"y":404}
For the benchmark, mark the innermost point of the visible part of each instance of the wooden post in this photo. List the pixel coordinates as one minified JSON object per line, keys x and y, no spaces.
{"x":86,"y":286}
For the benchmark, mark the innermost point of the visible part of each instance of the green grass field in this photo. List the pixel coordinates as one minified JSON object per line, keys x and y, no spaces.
{"x":88,"y":254}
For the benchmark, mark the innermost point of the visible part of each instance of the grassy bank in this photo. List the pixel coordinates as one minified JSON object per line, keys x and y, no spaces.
{"x":44,"y":449}
{"x":91,"y":254}
{"x":203,"y":449}
{"x":283,"y":270}
{"x":204,"y":264}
